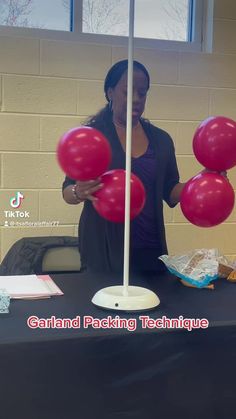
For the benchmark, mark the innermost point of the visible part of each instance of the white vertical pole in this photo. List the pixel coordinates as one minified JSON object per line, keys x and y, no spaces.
{"x":128,"y":149}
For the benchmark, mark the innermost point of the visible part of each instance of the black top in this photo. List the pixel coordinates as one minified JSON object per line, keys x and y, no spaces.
{"x":101,"y":241}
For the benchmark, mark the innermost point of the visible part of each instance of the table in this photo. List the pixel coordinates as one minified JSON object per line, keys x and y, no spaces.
{"x":115,"y":373}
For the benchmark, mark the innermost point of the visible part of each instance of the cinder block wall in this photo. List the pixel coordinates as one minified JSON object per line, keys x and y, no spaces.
{"x":50,"y":86}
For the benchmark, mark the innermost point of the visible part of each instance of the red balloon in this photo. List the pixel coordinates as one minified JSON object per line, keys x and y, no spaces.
{"x":214,"y":143}
{"x":207,"y":199}
{"x":111,"y":197}
{"x":84,"y":153}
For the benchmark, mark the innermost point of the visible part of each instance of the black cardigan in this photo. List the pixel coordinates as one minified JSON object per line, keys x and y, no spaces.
{"x":101,"y":242}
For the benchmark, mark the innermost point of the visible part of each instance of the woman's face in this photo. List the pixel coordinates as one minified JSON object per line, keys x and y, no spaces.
{"x":118,"y":96}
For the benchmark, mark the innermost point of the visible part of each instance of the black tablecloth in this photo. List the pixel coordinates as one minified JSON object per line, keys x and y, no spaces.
{"x":115,"y":373}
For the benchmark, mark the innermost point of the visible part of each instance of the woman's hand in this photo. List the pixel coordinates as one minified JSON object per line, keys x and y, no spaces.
{"x":80,"y":191}
{"x":85,"y":189}
{"x":176,"y":193}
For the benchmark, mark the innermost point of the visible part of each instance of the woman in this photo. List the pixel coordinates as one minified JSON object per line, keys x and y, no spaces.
{"x":153,"y":161}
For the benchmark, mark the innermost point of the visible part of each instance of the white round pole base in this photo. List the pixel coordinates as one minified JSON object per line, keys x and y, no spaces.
{"x":138,"y":298}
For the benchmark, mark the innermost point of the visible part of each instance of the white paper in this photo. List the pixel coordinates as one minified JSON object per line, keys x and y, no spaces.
{"x":29,"y":286}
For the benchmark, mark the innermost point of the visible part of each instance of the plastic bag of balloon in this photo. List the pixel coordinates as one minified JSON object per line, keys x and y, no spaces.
{"x":198,"y":267}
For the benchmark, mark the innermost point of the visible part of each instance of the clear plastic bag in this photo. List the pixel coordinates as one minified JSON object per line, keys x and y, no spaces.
{"x":4,"y":301}
{"x":198,"y":267}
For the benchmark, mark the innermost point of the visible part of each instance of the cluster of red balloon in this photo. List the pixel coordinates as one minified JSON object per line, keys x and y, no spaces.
{"x":208,"y":198}
{"x":85,"y":154}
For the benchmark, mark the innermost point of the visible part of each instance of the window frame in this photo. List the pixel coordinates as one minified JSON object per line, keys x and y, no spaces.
{"x":201,"y":35}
